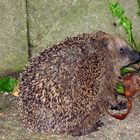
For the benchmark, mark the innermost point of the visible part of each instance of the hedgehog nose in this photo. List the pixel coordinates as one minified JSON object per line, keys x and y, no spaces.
{"x":135,"y":57}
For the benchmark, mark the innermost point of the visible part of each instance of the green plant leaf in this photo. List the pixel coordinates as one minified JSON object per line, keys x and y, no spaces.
{"x":120,"y":88}
{"x":126,"y":70}
{"x":7,"y":84}
{"x":116,"y":9}
{"x":124,"y":21}
{"x":138,"y":7}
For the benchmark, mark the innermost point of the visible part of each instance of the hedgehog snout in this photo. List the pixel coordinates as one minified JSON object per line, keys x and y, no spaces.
{"x":134,"y":56}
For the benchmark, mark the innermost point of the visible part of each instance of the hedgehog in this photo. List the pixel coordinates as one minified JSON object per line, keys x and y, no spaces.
{"x":66,"y":88}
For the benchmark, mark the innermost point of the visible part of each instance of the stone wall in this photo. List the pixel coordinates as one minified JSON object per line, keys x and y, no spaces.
{"x":51,"y":21}
{"x":13,"y":39}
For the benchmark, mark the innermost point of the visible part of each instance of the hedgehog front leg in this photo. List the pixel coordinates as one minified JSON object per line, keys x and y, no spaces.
{"x":87,"y":126}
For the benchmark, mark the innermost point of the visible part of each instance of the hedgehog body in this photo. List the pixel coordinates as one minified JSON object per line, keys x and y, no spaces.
{"x":66,"y":88}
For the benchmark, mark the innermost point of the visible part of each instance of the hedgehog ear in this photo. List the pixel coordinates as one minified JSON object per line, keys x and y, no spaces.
{"x":104,"y":42}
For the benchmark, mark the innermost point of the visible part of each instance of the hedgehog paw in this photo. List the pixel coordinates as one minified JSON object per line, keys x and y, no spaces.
{"x":120,"y":106}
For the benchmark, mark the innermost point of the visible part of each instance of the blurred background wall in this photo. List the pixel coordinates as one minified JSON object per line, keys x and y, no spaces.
{"x":50,"y":21}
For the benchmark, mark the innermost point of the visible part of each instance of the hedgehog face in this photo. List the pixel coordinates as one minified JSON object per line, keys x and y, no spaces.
{"x":127,"y":56}
{"x":123,"y":54}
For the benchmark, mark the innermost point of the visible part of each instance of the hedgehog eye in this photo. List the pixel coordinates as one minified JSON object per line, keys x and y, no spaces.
{"x":121,"y":51}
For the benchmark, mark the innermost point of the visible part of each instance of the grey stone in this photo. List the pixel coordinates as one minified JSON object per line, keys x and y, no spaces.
{"x":13,"y":39}
{"x":51,"y":21}
{"x":55,"y":20}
